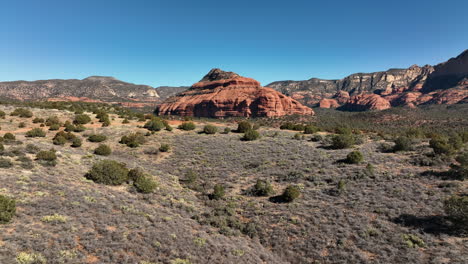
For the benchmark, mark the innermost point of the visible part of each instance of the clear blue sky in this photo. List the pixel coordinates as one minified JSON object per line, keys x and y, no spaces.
{"x":176,"y":42}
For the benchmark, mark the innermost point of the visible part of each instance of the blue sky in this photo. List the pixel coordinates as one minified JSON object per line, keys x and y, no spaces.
{"x":176,"y":42}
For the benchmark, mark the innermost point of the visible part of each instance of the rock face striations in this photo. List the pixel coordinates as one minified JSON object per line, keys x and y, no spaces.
{"x":226,"y":94}
{"x":445,"y":83}
{"x":94,"y":88}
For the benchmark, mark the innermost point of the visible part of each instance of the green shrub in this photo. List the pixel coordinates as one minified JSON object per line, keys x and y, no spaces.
{"x":54,"y":127}
{"x":79,"y":128}
{"x":133,"y":140}
{"x":354,"y":157}
{"x":76,"y":142}
{"x":2,"y":114}
{"x":456,"y":207}
{"x":36,"y":132}
{"x":291,"y":193}
{"x":69,"y":127}
{"x":52,"y":120}
{"x":145,"y":184}
{"x":243,"y":127}
{"x":310,"y":129}
{"x":46,"y":155}
{"x":5,"y":163}
{"x":21,"y":125}
{"x":413,"y":241}
{"x":210,"y":129}
{"x":81,"y":119}
{"x":103,"y":150}
{"x":441,"y":146}
{"x":262,"y":188}
{"x":415,"y":133}
{"x":2,"y":148}
{"x":108,"y":172}
{"x":342,"y":141}
{"x":155,"y":124}
{"x":135,"y":173}
{"x":218,"y":192}
{"x":30,"y":258}
{"x":343,"y":130}
{"x":227,"y":130}
{"x":403,"y":144}
{"x":21,"y":112}
{"x":460,"y":171}
{"x":164,"y":148}
{"x":187,"y":126}
{"x":7,"y":209}
{"x":38,"y":120}
{"x":251,"y":135}
{"x":168,"y":127}
{"x":59,"y":140}
{"x":97,"y":138}
{"x":9,"y":137}
{"x":298,"y":136}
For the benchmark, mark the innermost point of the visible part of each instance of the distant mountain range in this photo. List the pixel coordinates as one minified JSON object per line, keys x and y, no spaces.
{"x":445,"y":83}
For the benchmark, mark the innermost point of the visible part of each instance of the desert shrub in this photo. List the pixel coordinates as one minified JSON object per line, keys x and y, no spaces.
{"x":251,"y":135}
{"x":310,"y":129}
{"x":108,"y":172}
{"x":30,"y":258}
{"x":5,"y":163}
{"x":67,"y":135}
{"x":2,"y":148}
{"x":456,"y":207}
{"x":187,"y":126}
{"x":69,"y":127}
{"x":415,"y":132}
{"x":291,"y":193}
{"x":292,"y":126}
{"x":81,"y":119}
{"x":106,"y":123}
{"x":21,"y":125}
{"x":38,"y":120}
{"x":125,"y":121}
{"x":135,"y":173}
{"x":210,"y":129}
{"x":464,"y":136}
{"x":342,"y":141}
{"x":354,"y":157}
{"x":46,"y":155}
{"x":2,"y":114}
{"x":262,"y":188}
{"x":9,"y":137}
{"x":460,"y":171}
{"x":343,"y":130}
{"x":36,"y":132}
{"x":402,"y":144}
{"x":413,"y":241}
{"x":79,"y":128}
{"x":440,"y":145}
{"x":155,"y":124}
{"x":168,"y":127}
{"x":243,"y":126}
{"x":7,"y":209}
{"x":54,"y":127}
{"x":59,"y":140}
{"x":164,"y":148}
{"x":103,"y":150}
{"x":218,"y":192}
{"x":76,"y":142}
{"x":316,"y":138}
{"x":22,"y":112}
{"x":97,"y":138}
{"x":227,"y":130}
{"x":32,"y":149}
{"x":298,"y":136}
{"x":133,"y":140}
{"x":52,"y":120}
{"x":145,"y":184}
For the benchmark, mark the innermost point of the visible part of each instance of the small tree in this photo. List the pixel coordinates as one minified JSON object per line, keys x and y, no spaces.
{"x":244,"y":126}
{"x":108,"y":172}
{"x":291,"y":193}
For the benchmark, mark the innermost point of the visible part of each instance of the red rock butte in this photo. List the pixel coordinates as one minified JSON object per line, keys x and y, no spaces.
{"x":226,"y":94}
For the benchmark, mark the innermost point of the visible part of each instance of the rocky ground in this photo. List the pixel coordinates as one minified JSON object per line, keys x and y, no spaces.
{"x":345,"y":213}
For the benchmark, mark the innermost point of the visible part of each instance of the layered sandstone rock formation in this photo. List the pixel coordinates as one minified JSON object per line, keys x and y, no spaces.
{"x":445,"y":83}
{"x":226,"y":94}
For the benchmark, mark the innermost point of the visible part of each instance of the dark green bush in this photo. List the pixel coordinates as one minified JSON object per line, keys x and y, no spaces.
{"x":310,"y":129}
{"x":7,"y":209}
{"x":59,"y":140}
{"x":2,"y":114}
{"x":343,"y":130}
{"x":54,"y":127}
{"x":403,"y":144}
{"x":145,"y":184}
{"x":354,"y":157}
{"x":81,"y":119}
{"x":38,"y":120}
{"x":164,"y":148}
{"x":5,"y":163}
{"x":36,"y":132}
{"x":210,"y":129}
{"x":46,"y":155}
{"x":227,"y":130}
{"x":53,"y":120}
{"x":155,"y":124}
{"x":108,"y":172}
{"x":21,"y":112}
{"x":135,"y":173}
{"x":243,"y":126}
{"x":262,"y":188}
{"x":460,"y":171}
{"x":187,"y":126}
{"x":76,"y":142}
{"x":440,"y":145}
{"x":133,"y":140}
{"x":251,"y":135}
{"x":9,"y":137}
{"x":342,"y":141}
{"x":69,"y":127}
{"x":456,"y":207}
{"x":218,"y":192}
{"x":97,"y":138}
{"x":291,"y":193}
{"x":103,"y":150}
{"x":79,"y":128}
